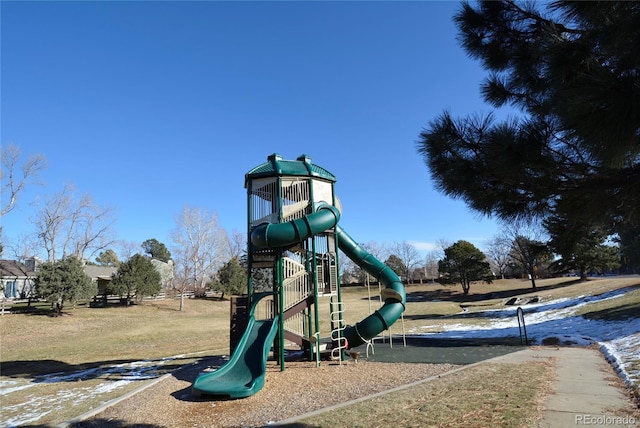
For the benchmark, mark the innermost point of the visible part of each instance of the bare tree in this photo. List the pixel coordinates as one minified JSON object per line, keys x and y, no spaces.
{"x":72,"y":226}
{"x":376,"y":249}
{"x":201,"y":246}
{"x":93,"y":229}
{"x":349,"y":271}
{"x":183,"y":278}
{"x":237,"y":244}
{"x":14,"y":181}
{"x":442,"y":244}
{"x":431,"y":265}
{"x":23,"y":247}
{"x":499,"y":253}
{"x":409,"y":256}
{"x":50,"y":220}
{"x":349,"y":267}
{"x":127,"y":249}
{"x":528,"y":249}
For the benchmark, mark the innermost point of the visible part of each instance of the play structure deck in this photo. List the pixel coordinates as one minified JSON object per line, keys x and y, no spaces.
{"x":293,"y":263}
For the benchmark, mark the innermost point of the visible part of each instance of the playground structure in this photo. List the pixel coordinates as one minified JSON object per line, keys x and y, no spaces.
{"x":293,"y":262}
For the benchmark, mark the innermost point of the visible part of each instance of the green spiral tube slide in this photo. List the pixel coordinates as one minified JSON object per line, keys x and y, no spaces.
{"x":270,"y":235}
{"x":393,"y":294}
{"x":325,"y":217}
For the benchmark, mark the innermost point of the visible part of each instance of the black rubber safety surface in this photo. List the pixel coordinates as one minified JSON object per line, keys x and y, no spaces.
{"x":420,"y":349}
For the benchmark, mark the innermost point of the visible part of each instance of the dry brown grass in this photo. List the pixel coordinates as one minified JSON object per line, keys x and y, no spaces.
{"x":87,"y":335}
{"x":158,"y":329}
{"x":88,"y":338}
{"x":487,"y":395}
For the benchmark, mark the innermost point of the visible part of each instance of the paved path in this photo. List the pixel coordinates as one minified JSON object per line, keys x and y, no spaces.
{"x":586,"y":391}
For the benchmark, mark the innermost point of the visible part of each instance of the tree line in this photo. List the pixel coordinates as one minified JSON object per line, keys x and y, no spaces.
{"x":515,"y":252}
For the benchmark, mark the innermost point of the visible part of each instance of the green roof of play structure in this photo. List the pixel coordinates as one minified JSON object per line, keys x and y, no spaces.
{"x":277,"y":167}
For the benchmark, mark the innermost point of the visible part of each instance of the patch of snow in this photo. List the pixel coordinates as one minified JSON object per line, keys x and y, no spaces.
{"x":35,"y":408}
{"x":624,"y":355}
{"x":9,"y":386}
{"x":619,"y":340}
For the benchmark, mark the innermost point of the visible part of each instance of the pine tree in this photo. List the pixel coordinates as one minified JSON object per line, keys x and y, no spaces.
{"x":581,"y":247}
{"x":64,"y":281}
{"x":464,"y":263}
{"x":156,"y":250}
{"x":572,"y":72}
{"x":136,"y":277}
{"x":232,"y":277}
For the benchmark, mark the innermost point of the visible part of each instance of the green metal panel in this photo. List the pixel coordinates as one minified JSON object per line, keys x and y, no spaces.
{"x":281,"y":234}
{"x":278,"y":167}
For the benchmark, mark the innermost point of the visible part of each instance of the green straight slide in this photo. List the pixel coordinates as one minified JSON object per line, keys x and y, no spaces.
{"x":243,"y":375}
{"x":325,"y":217}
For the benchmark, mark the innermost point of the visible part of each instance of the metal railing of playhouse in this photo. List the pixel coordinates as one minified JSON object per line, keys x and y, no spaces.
{"x":296,"y":286}
{"x":297,"y":324}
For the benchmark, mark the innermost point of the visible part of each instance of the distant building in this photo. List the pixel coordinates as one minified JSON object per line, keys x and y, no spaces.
{"x":102,"y":275}
{"x":18,"y":279}
{"x":166,"y":272}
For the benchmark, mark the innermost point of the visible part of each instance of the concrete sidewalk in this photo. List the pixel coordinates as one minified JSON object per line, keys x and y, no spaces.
{"x":584,"y":391}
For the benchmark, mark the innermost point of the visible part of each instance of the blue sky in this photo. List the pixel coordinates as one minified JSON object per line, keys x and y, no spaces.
{"x":150,"y":106}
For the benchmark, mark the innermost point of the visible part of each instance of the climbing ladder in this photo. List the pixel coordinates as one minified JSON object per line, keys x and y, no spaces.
{"x":337,"y":328}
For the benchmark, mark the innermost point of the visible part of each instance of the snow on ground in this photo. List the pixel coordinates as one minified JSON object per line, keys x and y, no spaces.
{"x":36,"y":407}
{"x":619,"y":340}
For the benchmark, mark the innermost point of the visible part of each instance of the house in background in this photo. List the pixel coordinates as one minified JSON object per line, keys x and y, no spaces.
{"x":102,"y":275}
{"x":18,"y":279}
{"x":166,"y":271}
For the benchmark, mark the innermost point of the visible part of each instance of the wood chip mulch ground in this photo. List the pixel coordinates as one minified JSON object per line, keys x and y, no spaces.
{"x":300,"y":388}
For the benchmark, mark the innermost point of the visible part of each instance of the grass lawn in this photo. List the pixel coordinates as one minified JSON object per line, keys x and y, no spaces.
{"x":159,"y":329}
{"x":86,"y":337}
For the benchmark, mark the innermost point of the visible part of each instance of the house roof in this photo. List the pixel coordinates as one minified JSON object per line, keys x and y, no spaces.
{"x":100,"y":272}
{"x":13,"y":268}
